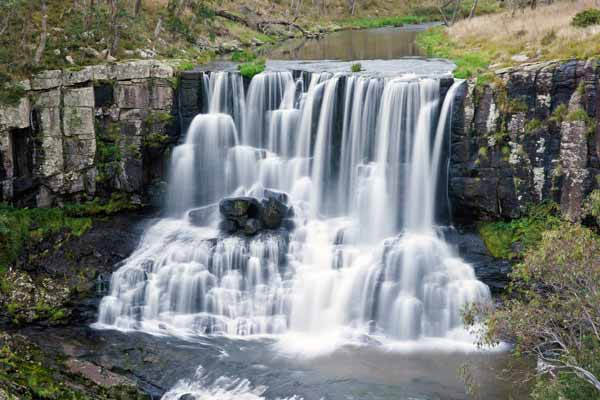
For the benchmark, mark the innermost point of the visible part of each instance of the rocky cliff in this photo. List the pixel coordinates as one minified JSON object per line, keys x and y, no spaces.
{"x":81,"y":133}
{"x":529,"y":135}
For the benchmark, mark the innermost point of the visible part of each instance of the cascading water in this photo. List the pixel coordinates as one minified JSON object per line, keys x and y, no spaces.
{"x":361,"y":159}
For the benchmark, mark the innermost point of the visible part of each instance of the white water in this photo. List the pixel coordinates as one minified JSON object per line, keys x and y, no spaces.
{"x":223,"y":388}
{"x":361,"y":159}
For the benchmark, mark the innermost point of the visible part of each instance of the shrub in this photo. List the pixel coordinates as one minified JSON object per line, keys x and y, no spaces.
{"x":591,"y":207}
{"x":586,"y":18}
{"x":252,"y":68}
{"x":552,"y":313}
{"x":356,"y":67}
{"x":243,"y":56}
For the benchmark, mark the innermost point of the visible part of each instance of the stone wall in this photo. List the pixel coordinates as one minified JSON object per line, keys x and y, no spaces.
{"x":80,"y":133}
{"x":530,"y":135}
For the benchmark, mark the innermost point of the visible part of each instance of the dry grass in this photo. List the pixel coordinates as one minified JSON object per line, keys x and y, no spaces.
{"x":541,"y":34}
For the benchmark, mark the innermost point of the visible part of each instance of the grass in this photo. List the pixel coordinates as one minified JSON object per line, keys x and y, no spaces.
{"x":489,"y":42}
{"x":436,"y":42}
{"x":545,"y":33}
{"x":501,"y":237}
{"x":249,"y":69}
{"x":380,"y":22}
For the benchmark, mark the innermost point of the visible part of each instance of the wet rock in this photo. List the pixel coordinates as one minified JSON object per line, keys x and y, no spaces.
{"x":252,"y":226}
{"x":277,"y":195}
{"x":250,"y":215}
{"x":96,"y":374}
{"x":511,"y":147}
{"x":228,"y":226}
{"x":239,"y":207}
{"x":273,"y":212}
{"x":202,"y":216}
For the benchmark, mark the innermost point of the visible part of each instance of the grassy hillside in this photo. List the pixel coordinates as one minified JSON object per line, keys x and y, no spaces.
{"x":506,"y":39}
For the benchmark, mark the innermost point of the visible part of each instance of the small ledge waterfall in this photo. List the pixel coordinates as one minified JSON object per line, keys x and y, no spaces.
{"x":364,"y":162}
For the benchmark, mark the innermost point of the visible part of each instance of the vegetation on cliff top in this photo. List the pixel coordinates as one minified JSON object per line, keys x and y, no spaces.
{"x":509,"y":38}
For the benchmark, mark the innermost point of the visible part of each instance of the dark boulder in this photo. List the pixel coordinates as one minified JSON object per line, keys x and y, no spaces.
{"x":252,"y":226}
{"x":239,"y":207}
{"x":228,"y":226}
{"x":249,"y":215}
{"x":276,"y":195}
{"x":273,"y":212}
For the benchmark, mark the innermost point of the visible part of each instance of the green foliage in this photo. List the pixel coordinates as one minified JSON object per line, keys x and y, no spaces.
{"x":10,"y":92}
{"x":559,"y":114}
{"x":501,"y":237}
{"x":581,"y":115}
{"x":380,"y":22}
{"x":517,"y":106}
{"x":26,"y":367}
{"x":252,"y":68}
{"x":18,"y":226}
{"x":586,"y":18}
{"x":243,"y":56}
{"x":356,"y":67}
{"x":591,"y":207}
{"x":533,"y":125}
{"x":186,"y":65}
{"x":436,"y":43}
{"x":156,"y":140}
{"x":551,"y":312}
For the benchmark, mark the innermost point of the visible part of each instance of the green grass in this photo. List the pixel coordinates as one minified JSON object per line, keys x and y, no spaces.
{"x":252,"y":68}
{"x":500,"y":237}
{"x":436,"y":43}
{"x":356,"y":67}
{"x":380,"y":22}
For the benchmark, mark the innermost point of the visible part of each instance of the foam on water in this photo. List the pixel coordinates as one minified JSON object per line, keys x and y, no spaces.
{"x":222,"y":388}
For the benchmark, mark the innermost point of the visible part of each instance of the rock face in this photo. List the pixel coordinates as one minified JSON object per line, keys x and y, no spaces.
{"x":249,"y":215}
{"x":80,"y":133}
{"x":530,"y":135}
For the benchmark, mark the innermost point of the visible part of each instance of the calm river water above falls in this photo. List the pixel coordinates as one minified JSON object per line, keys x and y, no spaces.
{"x":368,"y":44}
{"x":363,"y":299}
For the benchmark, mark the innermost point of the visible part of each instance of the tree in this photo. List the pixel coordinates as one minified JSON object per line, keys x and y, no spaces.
{"x":443,"y":5}
{"x":137,"y":8}
{"x":554,"y":312}
{"x":43,"y":35}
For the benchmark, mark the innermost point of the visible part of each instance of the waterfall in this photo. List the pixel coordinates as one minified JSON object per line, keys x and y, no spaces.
{"x":362,"y":159}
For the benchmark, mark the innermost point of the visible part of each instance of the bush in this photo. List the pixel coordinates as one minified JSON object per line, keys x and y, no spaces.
{"x":356,"y":67}
{"x":586,"y":18}
{"x":552,"y":313}
{"x":243,"y":56}
{"x":591,"y":207}
{"x":252,"y":68}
